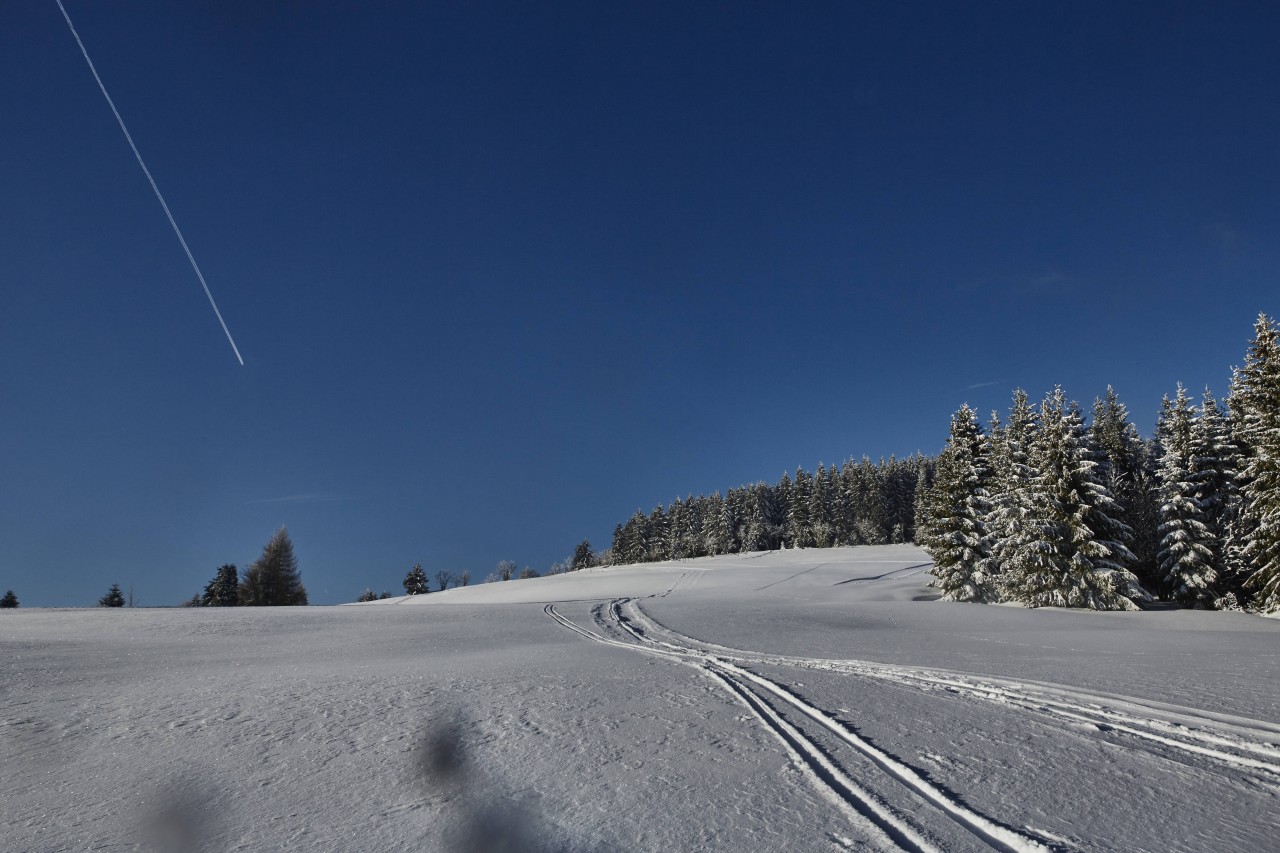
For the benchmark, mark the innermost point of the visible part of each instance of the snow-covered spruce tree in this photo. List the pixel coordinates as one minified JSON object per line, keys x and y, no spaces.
{"x":615,"y":546}
{"x":1186,"y":553}
{"x":869,"y":509}
{"x":1058,"y":561}
{"x":366,"y":596}
{"x":716,"y":530}
{"x":273,"y":579}
{"x":415,"y":582}
{"x":819,"y":510}
{"x":1255,"y":412}
{"x":924,"y":480}
{"x":583,"y":558}
{"x":1010,"y":519}
{"x":755,"y":532}
{"x":113,"y":598}
{"x":898,"y":479}
{"x":1215,"y":463}
{"x":954,"y":535}
{"x":635,"y":539}
{"x":1126,"y":468}
{"x":799,"y":534}
{"x":674,"y":546}
{"x":9,"y":601}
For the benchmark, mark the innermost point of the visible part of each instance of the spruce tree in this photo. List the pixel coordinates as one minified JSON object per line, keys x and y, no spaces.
{"x":755,"y":534}
{"x":273,"y":579}
{"x":582,"y":556}
{"x":871,"y":512}
{"x":1186,"y":555}
{"x":9,"y":601}
{"x":1058,"y":560}
{"x":799,"y":534}
{"x":657,"y":530}
{"x":1010,"y":520}
{"x":223,"y":590}
{"x":820,"y":515}
{"x":1125,"y":468}
{"x":1215,"y":464}
{"x":635,"y":540}
{"x":924,"y":479}
{"x":1255,"y":408}
{"x":954,"y":535}
{"x":113,"y":598}
{"x":675,"y":531}
{"x":415,"y":582}
{"x":616,"y":545}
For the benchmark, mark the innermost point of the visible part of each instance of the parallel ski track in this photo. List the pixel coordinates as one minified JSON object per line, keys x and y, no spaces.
{"x":1238,"y":745}
{"x":751,"y":690}
{"x":884,"y":828}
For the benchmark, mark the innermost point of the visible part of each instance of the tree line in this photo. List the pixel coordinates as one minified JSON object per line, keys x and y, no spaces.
{"x":1045,"y":509}
{"x":857,"y":503}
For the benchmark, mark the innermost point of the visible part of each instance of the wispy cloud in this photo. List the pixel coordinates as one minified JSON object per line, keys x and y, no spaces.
{"x":975,"y":386}
{"x":1047,"y":281}
{"x":311,"y":498}
{"x":1223,"y":237}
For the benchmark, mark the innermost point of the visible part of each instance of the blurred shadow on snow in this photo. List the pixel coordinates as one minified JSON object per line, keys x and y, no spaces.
{"x":175,"y":818}
{"x":479,"y":816}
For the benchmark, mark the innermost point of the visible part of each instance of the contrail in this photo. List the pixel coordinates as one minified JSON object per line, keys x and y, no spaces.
{"x":152,"y":180}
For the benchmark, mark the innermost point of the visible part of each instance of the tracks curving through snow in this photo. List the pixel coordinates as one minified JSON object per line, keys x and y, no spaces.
{"x":770,"y":704}
{"x":1236,"y":746}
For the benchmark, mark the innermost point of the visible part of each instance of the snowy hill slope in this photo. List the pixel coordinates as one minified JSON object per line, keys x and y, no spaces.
{"x":803,"y":700}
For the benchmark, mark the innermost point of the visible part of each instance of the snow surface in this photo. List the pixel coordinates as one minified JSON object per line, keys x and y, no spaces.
{"x":798,"y":700}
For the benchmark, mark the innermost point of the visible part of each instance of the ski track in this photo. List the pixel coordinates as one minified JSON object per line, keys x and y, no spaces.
{"x":1240,"y":748}
{"x":875,"y":818}
{"x":1235,"y":744}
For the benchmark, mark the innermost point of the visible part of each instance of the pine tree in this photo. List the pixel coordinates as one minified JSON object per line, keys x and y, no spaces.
{"x":954,"y":535}
{"x":820,"y":527}
{"x":1010,"y":520}
{"x":616,"y":546}
{"x":1255,"y":408}
{"x":9,"y":601}
{"x":755,"y":532}
{"x":675,"y":521}
{"x":1058,"y":561}
{"x":415,"y":582}
{"x":656,"y":529}
{"x":635,"y":539}
{"x":1215,"y":464}
{"x":273,"y":579}
{"x":1186,"y":555}
{"x":223,"y":590}
{"x":366,"y":596}
{"x":583,"y":558}
{"x":113,"y":598}
{"x":1126,"y":468}
{"x":799,"y":534}
{"x":924,"y":480}
{"x":873,"y":515}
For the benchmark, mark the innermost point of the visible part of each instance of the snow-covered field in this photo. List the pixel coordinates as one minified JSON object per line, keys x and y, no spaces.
{"x":804,"y":700}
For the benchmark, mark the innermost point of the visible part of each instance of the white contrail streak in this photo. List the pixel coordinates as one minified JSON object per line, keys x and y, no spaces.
{"x":152,"y":180}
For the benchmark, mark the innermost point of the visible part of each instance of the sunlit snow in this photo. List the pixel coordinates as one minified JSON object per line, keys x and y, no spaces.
{"x":798,"y":700}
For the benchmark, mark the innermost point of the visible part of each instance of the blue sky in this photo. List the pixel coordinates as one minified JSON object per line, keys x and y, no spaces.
{"x":504,"y":273}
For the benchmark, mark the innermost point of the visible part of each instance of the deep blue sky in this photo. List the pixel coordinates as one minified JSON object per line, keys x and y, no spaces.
{"x":503,"y":274}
